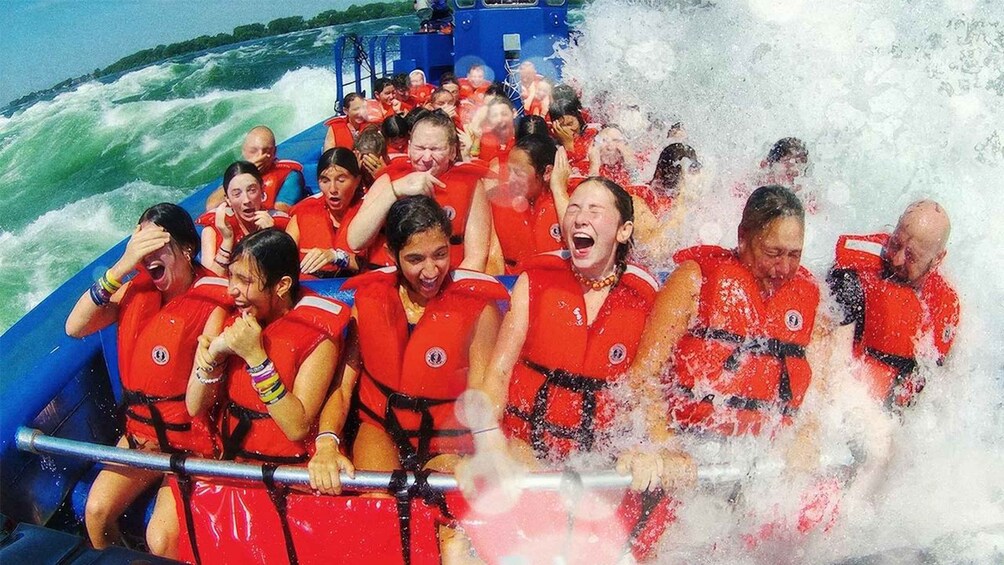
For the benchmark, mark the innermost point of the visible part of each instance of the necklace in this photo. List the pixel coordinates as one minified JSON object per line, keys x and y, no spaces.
{"x":596,"y":284}
{"x":411,"y":310}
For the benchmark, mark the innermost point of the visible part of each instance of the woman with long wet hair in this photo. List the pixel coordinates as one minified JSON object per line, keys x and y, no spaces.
{"x":160,"y":313}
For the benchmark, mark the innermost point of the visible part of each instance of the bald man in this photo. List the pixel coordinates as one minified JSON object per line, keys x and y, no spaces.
{"x":283,"y":179}
{"x":896,"y":301}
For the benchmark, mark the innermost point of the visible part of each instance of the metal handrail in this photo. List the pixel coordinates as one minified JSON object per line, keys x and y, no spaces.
{"x":369,"y":53}
{"x":32,"y":440}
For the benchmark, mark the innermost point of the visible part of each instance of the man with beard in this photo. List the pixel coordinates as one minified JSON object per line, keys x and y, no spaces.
{"x":896,"y":301}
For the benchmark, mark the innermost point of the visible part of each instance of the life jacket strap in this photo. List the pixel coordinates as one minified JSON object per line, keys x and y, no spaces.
{"x":404,"y":495}
{"x":768,"y":346}
{"x":585,"y":433}
{"x":904,"y":367}
{"x":278,"y":494}
{"x":737,"y":402}
{"x":177,"y":463}
{"x":233,"y":440}
{"x":156,"y":420}
{"x":412,"y":459}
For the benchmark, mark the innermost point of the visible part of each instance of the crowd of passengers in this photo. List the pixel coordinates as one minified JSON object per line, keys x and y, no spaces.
{"x":424,"y":194}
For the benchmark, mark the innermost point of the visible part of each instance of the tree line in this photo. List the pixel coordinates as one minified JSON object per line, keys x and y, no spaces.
{"x":279,"y":26}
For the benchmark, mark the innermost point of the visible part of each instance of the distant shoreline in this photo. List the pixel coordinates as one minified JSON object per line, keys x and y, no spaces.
{"x":240,"y":34}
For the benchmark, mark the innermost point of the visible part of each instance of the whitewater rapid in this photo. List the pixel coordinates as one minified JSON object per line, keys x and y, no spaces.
{"x":896,"y":101}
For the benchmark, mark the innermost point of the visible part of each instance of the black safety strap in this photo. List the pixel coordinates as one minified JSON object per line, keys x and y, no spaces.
{"x":769,"y":346}
{"x":177,"y":463}
{"x":160,"y":426}
{"x":412,"y":459}
{"x":279,"y":493}
{"x":904,"y":367}
{"x":233,"y":441}
{"x":650,"y":500}
{"x":404,"y":494}
{"x":585,"y":433}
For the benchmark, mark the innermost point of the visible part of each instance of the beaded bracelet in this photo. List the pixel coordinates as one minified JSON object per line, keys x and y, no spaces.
{"x":201,"y":375}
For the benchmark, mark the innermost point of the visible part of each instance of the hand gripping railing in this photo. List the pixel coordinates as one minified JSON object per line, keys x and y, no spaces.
{"x":34,"y":441}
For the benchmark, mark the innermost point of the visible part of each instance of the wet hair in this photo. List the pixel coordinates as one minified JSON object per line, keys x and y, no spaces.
{"x":413,"y":116}
{"x":341,"y":157}
{"x":531,"y":125}
{"x":175,"y":221}
{"x":625,"y":208}
{"x":349,"y":99}
{"x":439,"y":119}
{"x":563,"y":107}
{"x":563,"y":92}
{"x":496,"y":88}
{"x":381,"y":84}
{"x":787,"y":147}
{"x":669,"y":168}
{"x":439,"y":92}
{"x":448,"y":77}
{"x":370,"y":141}
{"x":395,"y":126}
{"x":400,"y":81}
{"x":273,"y":255}
{"x":767,"y":204}
{"x":412,"y":215}
{"x":241,"y":168}
{"x":541,"y":150}
{"x":497,"y":100}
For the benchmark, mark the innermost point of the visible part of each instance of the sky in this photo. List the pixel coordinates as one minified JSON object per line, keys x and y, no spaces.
{"x":43,"y":42}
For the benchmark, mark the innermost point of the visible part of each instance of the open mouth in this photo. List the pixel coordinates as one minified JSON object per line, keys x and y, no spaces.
{"x":582,"y":241}
{"x":428,"y":285}
{"x":156,"y":271}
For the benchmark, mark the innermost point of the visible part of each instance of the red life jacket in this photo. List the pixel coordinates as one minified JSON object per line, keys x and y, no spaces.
{"x":578,"y":157}
{"x":249,"y":433}
{"x":317,"y":230}
{"x":896,"y":316}
{"x":494,"y":147}
{"x":412,"y":378}
{"x":743,"y":364}
{"x":525,"y":233}
{"x":474,"y":93}
{"x":657,"y":203}
{"x":343,"y":132}
{"x":156,"y":346}
{"x":273,"y":179}
{"x":420,"y":94}
{"x":557,"y":399}
{"x":240,"y":229}
{"x":461,"y":181}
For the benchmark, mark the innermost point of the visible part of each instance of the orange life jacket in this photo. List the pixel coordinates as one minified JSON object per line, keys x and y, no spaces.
{"x":523,"y":233}
{"x":249,"y":432}
{"x":895,"y":317}
{"x":272,"y":180}
{"x":317,"y":230}
{"x":411,"y":378}
{"x":742,"y":366}
{"x":343,"y":132}
{"x":474,"y":93}
{"x":156,"y":346}
{"x":461,"y":181}
{"x":557,"y":394}
{"x":657,"y":203}
{"x":240,"y":229}
{"x":419,"y":95}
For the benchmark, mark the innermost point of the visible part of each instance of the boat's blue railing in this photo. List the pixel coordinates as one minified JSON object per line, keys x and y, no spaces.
{"x":370,"y":57}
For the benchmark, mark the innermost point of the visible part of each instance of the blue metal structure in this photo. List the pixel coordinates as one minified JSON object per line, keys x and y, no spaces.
{"x":493,"y":33}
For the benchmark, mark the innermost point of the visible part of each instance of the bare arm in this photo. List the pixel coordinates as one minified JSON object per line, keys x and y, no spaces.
{"x":478,"y":231}
{"x":363,"y":229}
{"x":296,"y":413}
{"x":199,"y":396}
{"x":215,"y":199}
{"x":675,"y":305}
{"x":495,"y":380}
{"x":293,"y":229}
{"x":558,"y":183}
{"x":86,"y":316}
{"x":208,"y":255}
{"x":329,"y":140}
{"x":646,"y":225}
{"x":486,"y":331}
